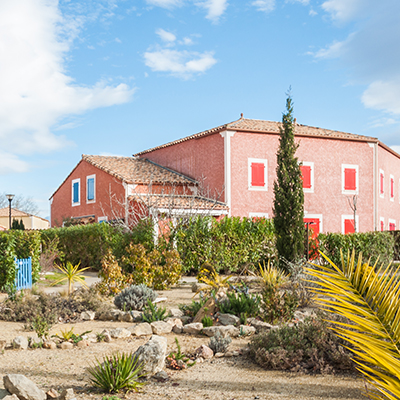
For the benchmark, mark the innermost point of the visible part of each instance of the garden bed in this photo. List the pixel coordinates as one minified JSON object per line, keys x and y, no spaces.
{"x":218,"y":378}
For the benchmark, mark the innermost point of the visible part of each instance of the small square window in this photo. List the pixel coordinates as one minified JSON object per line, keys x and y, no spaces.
{"x":258,"y":175}
{"x":392,"y":225}
{"x":348,"y":225}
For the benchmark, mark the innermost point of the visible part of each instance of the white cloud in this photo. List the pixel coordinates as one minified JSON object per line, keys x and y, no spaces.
{"x":187,"y":41}
{"x":164,"y":3}
{"x":165,"y":35}
{"x":215,"y":8}
{"x":183,"y":64}
{"x":371,"y":52}
{"x":264,"y":5}
{"x":10,"y":163}
{"x":36,"y":93}
{"x":303,"y":2}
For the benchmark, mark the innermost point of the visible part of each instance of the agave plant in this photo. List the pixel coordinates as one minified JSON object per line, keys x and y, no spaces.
{"x":272,"y":276}
{"x":70,"y":273}
{"x":371,"y":302}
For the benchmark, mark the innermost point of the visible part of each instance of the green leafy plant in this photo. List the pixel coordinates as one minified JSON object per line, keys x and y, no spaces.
{"x":70,"y":273}
{"x":212,"y":279}
{"x":41,"y":326}
{"x":241,"y":304}
{"x":70,"y":336}
{"x":207,"y":321}
{"x":134,"y":297}
{"x":308,"y":346}
{"x":152,"y":313}
{"x":177,"y":359}
{"x":117,"y":372}
{"x":370,"y":301}
{"x":193,"y":308}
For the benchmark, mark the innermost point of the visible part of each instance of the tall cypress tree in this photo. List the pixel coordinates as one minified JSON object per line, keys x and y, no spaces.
{"x":288,"y":190}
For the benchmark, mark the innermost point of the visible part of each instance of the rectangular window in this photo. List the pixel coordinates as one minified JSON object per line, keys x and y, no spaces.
{"x":382,"y":223}
{"x":314,"y":225}
{"x":392,"y":225}
{"x":90,"y":188}
{"x":348,"y":226}
{"x":349,"y":179}
{"x":258,"y":174}
{"x":76,"y":195}
{"x":307,"y":174}
{"x":381,"y":183}
{"x":391,"y":187}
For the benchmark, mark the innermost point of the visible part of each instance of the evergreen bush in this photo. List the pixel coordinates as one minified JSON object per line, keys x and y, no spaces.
{"x":135,"y":297}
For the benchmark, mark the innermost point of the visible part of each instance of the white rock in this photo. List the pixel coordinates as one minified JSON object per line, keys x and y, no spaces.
{"x":228,"y":319}
{"x":142,"y":329}
{"x":194,"y":328}
{"x":177,"y":329}
{"x":88,"y":315}
{"x":228,"y":330}
{"x":204,"y":352}
{"x":152,"y":354}
{"x":175,"y":312}
{"x":10,"y":397}
{"x":67,"y":394}
{"x":120,"y":333}
{"x":23,"y":387}
{"x":20,"y":342}
{"x":247,"y":330}
{"x":66,"y":346}
{"x":161,"y":327}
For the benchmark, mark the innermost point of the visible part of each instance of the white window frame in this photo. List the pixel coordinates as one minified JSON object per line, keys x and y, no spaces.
{"x":382,"y":195}
{"x":78,"y":180}
{"x":350,"y":166}
{"x":382,"y":219}
{"x":315,"y":216}
{"x":94,"y":189}
{"x":392,"y":221}
{"x":258,"y":160}
{"x":391,"y":177}
{"x":309,"y":164}
{"x":258,"y":215}
{"x":351,"y":216}
{"x":101,"y":219}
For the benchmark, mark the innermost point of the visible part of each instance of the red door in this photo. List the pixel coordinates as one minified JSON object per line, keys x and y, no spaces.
{"x":313,"y":226}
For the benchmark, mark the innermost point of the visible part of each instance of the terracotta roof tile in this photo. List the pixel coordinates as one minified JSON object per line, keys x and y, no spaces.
{"x":180,"y":202}
{"x":4,"y":212}
{"x":260,"y":126}
{"x":137,"y":170}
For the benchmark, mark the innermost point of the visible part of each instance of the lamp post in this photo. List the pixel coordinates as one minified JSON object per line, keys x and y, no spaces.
{"x":308,"y":240}
{"x":10,"y":199}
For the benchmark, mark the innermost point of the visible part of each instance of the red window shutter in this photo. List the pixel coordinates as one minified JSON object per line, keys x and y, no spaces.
{"x":306,"y":175}
{"x":257,"y":174}
{"x":382,"y":183}
{"x":350,"y":179}
{"x":348,"y":226}
{"x":391,"y":187}
{"x":392,"y":227}
{"x":382,"y":226}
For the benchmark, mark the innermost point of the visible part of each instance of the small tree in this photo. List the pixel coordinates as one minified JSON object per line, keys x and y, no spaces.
{"x":288,"y":190}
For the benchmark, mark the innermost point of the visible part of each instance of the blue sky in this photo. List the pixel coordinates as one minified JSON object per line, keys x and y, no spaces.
{"x":115,"y":77}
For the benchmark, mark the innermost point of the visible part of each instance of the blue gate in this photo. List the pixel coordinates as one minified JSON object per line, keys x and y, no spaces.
{"x":23,"y":279}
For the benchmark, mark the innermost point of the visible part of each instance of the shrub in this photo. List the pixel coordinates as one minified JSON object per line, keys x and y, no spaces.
{"x":207,"y":321}
{"x":152,"y":313}
{"x":241,"y":304}
{"x":219,"y":344}
{"x":309,"y":346}
{"x":192,"y":309}
{"x":157,"y":269}
{"x":116,"y":372}
{"x":71,"y":274}
{"x":372,"y":245}
{"x":135,"y":297}
{"x":7,"y":263}
{"x":278,"y":305}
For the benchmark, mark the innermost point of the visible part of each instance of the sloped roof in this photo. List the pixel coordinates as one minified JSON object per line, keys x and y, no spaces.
{"x":272,"y":127}
{"x":4,"y":212}
{"x":185,"y":202}
{"x":137,"y":170}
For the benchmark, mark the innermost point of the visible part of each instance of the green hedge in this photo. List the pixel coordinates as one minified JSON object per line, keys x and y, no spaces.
{"x":88,"y":244}
{"x":373,"y":245}
{"x":19,"y":244}
{"x":230,"y":244}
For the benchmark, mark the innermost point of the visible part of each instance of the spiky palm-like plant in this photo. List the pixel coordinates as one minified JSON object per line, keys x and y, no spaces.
{"x":371,"y":301}
{"x":70,"y":273}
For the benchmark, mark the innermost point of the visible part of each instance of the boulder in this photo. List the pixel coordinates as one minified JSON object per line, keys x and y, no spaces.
{"x":174,"y":321}
{"x":260,"y":325}
{"x":247,"y":330}
{"x":49,"y":344}
{"x":67,"y":394}
{"x":20,"y":342}
{"x":225,"y":331}
{"x":66,"y":346}
{"x":193,"y":328}
{"x":120,"y":333}
{"x":10,"y":397}
{"x":204,"y":352}
{"x":142,"y":329}
{"x":228,"y":319}
{"x":175,"y":313}
{"x":152,"y":355}
{"x":88,"y":315}
{"x":83,"y":343}
{"x":207,"y":310}
{"x":136,"y":315}
{"x":52,"y":394}
{"x":107,"y":336}
{"x":177,"y":329}
{"x":23,"y":387}
{"x":35,"y":342}
{"x":161,"y":327}
{"x":161,"y":376}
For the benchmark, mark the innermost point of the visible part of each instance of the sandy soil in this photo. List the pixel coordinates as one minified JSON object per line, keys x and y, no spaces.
{"x":224,"y":378}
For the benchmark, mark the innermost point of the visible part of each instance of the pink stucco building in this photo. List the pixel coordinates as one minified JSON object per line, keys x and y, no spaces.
{"x":238,"y":161}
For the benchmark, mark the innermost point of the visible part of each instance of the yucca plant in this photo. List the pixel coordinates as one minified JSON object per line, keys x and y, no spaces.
{"x":271,"y":276}
{"x":70,"y":273}
{"x":119,"y":371}
{"x":212,"y":279}
{"x":371,"y":302}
